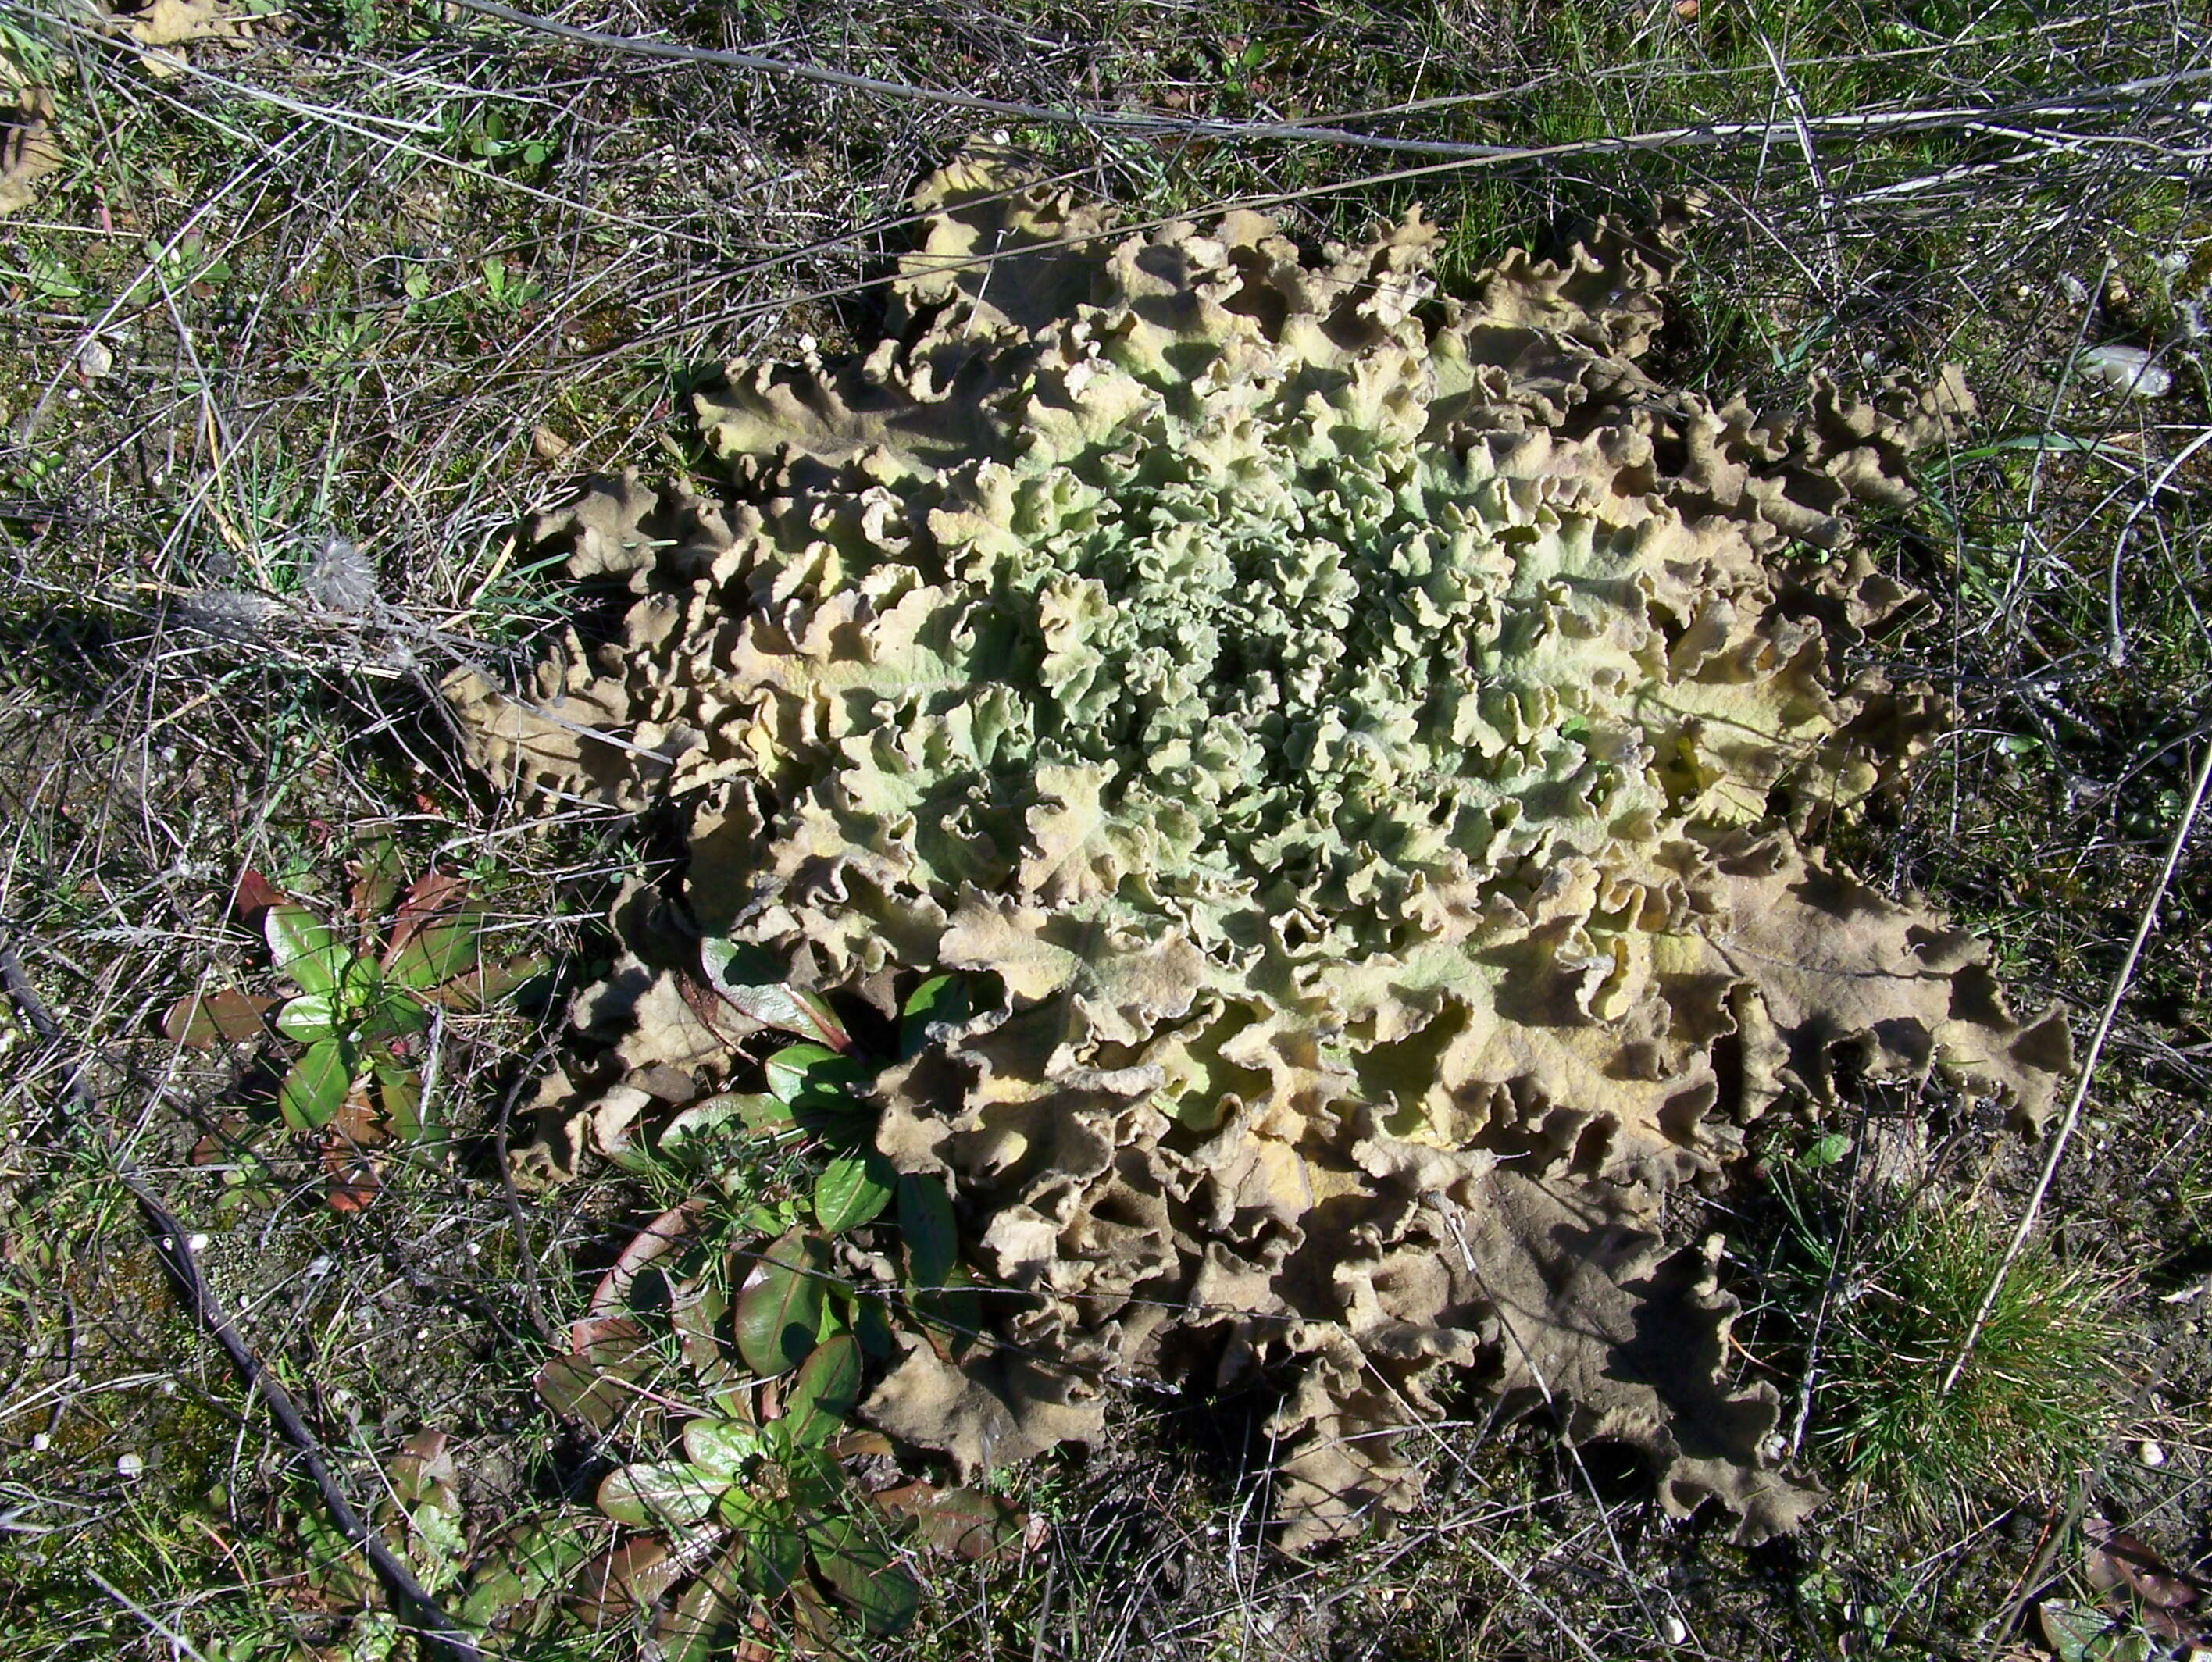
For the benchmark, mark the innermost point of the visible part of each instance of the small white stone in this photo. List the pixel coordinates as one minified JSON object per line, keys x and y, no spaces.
{"x":1673,"y":1629}
{"x":2150,"y":1453}
{"x":40,"y":1442}
{"x":2126,"y":369}
{"x":130,"y":1466}
{"x":196,"y":1242}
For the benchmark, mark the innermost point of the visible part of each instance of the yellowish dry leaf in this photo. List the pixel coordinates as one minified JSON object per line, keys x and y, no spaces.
{"x":28,"y":151}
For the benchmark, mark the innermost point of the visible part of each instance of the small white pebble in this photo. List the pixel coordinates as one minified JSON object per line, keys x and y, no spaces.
{"x":40,"y":1442}
{"x":1673,"y":1629}
{"x":2150,"y":1453}
{"x":2126,"y":369}
{"x":475,"y":1247}
{"x":196,"y":1242}
{"x":130,"y":1466}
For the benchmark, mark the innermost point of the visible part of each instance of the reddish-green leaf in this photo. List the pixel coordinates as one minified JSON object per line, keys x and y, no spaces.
{"x":596,"y":1384}
{"x":316,"y":1084}
{"x":823,"y":1392}
{"x":751,"y":981}
{"x":199,"y":1019}
{"x":376,"y":877}
{"x":964,"y":1523}
{"x":254,"y":895}
{"x":625,"y":1579}
{"x":780,"y":1307}
{"x":864,"y":1574}
{"x":707,"y":1617}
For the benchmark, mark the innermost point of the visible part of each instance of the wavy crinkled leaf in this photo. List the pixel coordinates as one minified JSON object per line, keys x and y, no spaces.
{"x":1363,"y":750}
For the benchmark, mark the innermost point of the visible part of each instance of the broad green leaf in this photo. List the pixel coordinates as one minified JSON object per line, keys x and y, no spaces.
{"x":393,"y":1016}
{"x":937,"y":1001}
{"x":775,"y":1558}
{"x":1828,"y":1150}
{"x":750,"y":980}
{"x":824,"y":1393}
{"x":310,"y":1016}
{"x":864,"y":1574}
{"x":303,"y":946}
{"x":658,"y":1495}
{"x":199,"y":1019}
{"x":697,"y":1127}
{"x":316,"y":1088}
{"x":933,"y":1237}
{"x":399,"y":1095}
{"x":531,"y":1562}
{"x":721,"y":1448}
{"x":806,"y":1074}
{"x":438,"y":951}
{"x":852,"y":1189}
{"x":780,"y":1307}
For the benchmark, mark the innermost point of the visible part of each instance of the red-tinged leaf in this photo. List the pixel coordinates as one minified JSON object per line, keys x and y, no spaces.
{"x":303,"y":948}
{"x":354,"y":1181}
{"x":200,"y":1019}
{"x":2118,"y":1562}
{"x":254,"y":895}
{"x":376,"y":876}
{"x":961,"y":1523}
{"x":422,"y":1473}
{"x":661,"y":1236}
{"x":597,"y":1384}
{"x":780,"y":1309}
{"x":316,"y":1088}
{"x":628,"y":1578}
{"x":487,"y":981}
{"x":441,"y":951}
{"x":754,"y":983}
{"x":710,"y":1616}
{"x":435,"y":895}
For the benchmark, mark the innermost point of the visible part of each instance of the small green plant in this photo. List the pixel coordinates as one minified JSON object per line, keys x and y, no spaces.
{"x":362,"y":1011}
{"x":2035,"y":1400}
{"x":745,"y":1508}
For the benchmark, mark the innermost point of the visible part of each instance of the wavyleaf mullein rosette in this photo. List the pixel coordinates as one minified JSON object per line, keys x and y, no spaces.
{"x":1365,"y":742}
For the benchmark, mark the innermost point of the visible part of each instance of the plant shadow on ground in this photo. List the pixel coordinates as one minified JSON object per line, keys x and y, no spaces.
{"x":403,"y":273}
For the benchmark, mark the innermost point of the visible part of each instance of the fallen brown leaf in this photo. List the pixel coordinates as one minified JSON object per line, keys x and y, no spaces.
{"x":28,"y":150}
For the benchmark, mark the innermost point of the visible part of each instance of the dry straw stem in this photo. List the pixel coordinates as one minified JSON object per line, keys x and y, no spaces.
{"x":2125,"y":974}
